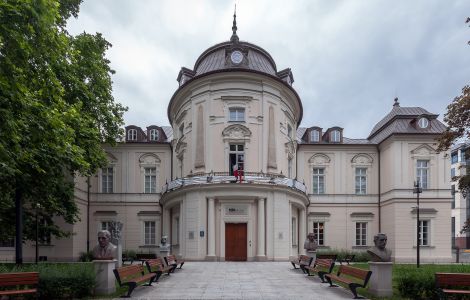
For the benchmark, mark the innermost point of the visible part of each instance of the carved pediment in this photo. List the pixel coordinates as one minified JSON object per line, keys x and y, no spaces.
{"x":424,"y":150}
{"x":149,"y":159}
{"x":111,"y":158}
{"x":319,"y":159}
{"x":362,"y":159}
{"x":236,"y":132}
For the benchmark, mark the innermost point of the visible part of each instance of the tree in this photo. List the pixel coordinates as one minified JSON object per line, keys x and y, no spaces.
{"x":56,"y":108}
{"x":457,"y":118}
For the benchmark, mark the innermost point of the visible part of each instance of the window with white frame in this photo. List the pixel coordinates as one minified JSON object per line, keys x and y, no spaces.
{"x":315,"y":135}
{"x":318,"y":180}
{"x":335,"y":136}
{"x":236,"y":114}
{"x":150,"y":180}
{"x":107,"y":180}
{"x":236,"y":157}
{"x":424,"y":232}
{"x":149,"y":233}
{"x":423,"y":122}
{"x":361,"y":181}
{"x":294,"y":232}
{"x":319,"y":231}
{"x":44,"y":232}
{"x":7,"y":243}
{"x":154,"y":134}
{"x":361,"y":233}
{"x":132,"y":134}
{"x":106,"y":225}
{"x":422,"y":173}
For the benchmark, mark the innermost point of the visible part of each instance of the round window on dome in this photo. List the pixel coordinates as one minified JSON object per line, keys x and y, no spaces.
{"x":236,"y":57}
{"x":423,"y":122}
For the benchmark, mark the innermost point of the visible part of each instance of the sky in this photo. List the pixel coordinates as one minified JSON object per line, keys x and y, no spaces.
{"x":349,"y":59}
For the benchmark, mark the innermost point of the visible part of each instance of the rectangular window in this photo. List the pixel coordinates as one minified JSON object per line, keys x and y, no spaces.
{"x":335,"y":136}
{"x":289,"y":168}
{"x":318,"y":180}
{"x":452,"y":173}
{"x":462,"y":156}
{"x":452,"y":192}
{"x":149,"y":233}
{"x":452,"y":236}
{"x":150,"y":180}
{"x":319,"y":231}
{"x":454,"y":158}
{"x":107,"y":180}
{"x":314,"y":136}
{"x":236,"y":157}
{"x":236,"y":114}
{"x":132,"y":135}
{"x":289,"y":130}
{"x":294,"y":232}
{"x":44,"y":233}
{"x":361,"y":180}
{"x":177,"y":230}
{"x":106,"y":225}
{"x":154,"y":134}
{"x":8,"y":243}
{"x":424,"y":232}
{"x":422,"y":173}
{"x":361,"y":233}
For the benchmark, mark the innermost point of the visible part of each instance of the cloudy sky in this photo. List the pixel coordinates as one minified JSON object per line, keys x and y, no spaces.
{"x":350,"y":59}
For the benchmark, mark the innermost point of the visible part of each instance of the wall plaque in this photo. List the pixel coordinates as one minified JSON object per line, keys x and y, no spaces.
{"x":236,"y":210}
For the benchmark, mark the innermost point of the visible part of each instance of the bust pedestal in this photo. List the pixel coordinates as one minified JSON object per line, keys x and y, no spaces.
{"x":312,"y":254}
{"x":380,"y":283}
{"x":105,"y":280}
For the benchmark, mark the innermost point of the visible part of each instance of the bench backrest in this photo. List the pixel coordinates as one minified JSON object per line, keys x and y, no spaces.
{"x":127,"y":273}
{"x":452,"y":279}
{"x":327,"y":256}
{"x":22,"y":278}
{"x":154,"y":265}
{"x":306,"y":260}
{"x":170,"y":259}
{"x":325,"y":263}
{"x":356,"y":273}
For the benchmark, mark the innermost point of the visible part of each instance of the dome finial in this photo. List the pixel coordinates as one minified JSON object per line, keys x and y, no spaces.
{"x":234,"y":38}
{"x":396,"y":103}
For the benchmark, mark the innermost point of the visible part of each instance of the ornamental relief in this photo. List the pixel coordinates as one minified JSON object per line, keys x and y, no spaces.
{"x":362,"y":159}
{"x":423,"y":150}
{"x":291,"y":147}
{"x":149,"y":159}
{"x":236,"y":132}
{"x":319,"y":159}
{"x":180,"y":145}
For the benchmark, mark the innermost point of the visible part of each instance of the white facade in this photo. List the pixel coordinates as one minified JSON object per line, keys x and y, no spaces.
{"x":235,"y":110}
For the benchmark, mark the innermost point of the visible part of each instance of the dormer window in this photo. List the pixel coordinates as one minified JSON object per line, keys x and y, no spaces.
{"x":314,"y":136}
{"x":154,"y":134}
{"x":335,"y":136}
{"x":132,"y":134}
{"x":237,"y":114}
{"x":423,"y":122}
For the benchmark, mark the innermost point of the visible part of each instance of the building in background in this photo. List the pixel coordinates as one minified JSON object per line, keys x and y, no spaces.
{"x":234,"y":110}
{"x":460,"y":199}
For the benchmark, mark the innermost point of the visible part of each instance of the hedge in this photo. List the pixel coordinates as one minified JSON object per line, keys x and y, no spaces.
{"x":59,"y":280}
{"x":359,"y":256}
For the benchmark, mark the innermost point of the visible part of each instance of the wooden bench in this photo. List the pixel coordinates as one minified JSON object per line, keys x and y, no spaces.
{"x":352,"y":275}
{"x":444,"y":281}
{"x":347,"y":259}
{"x":171,"y":260}
{"x":158,"y":267}
{"x":301,"y":261}
{"x":131,"y":276}
{"x":20,"y":283}
{"x":321,"y":267}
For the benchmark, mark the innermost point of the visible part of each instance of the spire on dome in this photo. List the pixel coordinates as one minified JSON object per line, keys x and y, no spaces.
{"x":234,"y":38}
{"x":396,"y":103}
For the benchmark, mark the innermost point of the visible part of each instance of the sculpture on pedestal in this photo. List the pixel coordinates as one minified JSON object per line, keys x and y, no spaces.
{"x":379,"y":253}
{"x":164,"y":246}
{"x":310,"y":243}
{"x":105,"y":249}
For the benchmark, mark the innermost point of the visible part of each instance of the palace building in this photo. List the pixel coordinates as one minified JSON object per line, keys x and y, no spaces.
{"x":235,"y":113}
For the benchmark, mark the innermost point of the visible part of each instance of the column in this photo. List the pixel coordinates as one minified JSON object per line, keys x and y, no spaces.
{"x":261,"y":231}
{"x":302,"y":230}
{"x":211,"y":230}
{"x":181,"y":241}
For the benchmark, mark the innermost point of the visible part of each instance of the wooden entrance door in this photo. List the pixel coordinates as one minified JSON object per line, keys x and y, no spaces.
{"x":235,"y":242}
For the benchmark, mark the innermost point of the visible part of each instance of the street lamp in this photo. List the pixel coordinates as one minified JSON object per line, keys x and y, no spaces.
{"x":417,"y":190}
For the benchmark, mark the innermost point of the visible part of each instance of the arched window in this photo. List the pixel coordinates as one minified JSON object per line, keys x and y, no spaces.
{"x":314,"y":135}
{"x":335,"y":136}
{"x":423,"y":122}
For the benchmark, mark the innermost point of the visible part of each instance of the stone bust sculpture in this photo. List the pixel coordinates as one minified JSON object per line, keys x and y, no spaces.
{"x":379,"y":253}
{"x":163,"y":244}
{"x":105,"y":249}
{"x":310,"y":243}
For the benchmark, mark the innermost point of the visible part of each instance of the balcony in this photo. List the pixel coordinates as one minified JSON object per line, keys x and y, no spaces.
{"x":249,"y":178}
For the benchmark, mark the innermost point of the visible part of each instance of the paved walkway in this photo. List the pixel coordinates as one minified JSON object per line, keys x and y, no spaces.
{"x":239,"y":280}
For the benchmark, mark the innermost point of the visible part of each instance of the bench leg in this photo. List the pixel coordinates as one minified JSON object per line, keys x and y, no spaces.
{"x":353,"y":287}
{"x":303,"y":269}
{"x":330,"y":282}
{"x":181,"y":265}
{"x":293,"y":265}
{"x":321,"y":274}
{"x":157,"y":275}
{"x":130,"y":287}
{"x":150,"y":281}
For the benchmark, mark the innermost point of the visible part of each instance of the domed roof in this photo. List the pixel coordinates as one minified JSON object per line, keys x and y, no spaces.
{"x":235,"y":55}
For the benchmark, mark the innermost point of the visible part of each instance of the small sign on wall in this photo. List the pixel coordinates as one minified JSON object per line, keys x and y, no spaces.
{"x":236,"y":210}
{"x":191,"y":235}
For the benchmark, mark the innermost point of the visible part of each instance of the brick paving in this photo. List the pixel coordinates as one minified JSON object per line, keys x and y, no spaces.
{"x":239,"y":280}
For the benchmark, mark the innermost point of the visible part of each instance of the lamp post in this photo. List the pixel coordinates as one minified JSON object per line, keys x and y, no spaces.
{"x":417,"y":190}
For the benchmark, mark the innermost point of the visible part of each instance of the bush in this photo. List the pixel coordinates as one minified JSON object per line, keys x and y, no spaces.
{"x":60,"y":281}
{"x":359,"y":256}
{"x":86,"y":256}
{"x":419,"y":283}
{"x":129,"y":254}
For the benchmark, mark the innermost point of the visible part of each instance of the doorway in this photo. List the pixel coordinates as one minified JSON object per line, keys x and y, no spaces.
{"x":235,"y":241}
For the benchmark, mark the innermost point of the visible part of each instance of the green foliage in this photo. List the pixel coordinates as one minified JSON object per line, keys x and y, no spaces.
{"x":60,"y":281}
{"x":129,"y":254}
{"x":86,"y":256}
{"x":56,"y":108}
{"x":359,"y":256}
